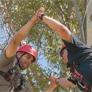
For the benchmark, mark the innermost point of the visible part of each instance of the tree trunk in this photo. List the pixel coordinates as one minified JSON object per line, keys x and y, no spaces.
{"x":79,"y":19}
{"x":89,"y":23}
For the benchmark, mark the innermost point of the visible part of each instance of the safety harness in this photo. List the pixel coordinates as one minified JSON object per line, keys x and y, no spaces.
{"x":78,"y":78}
{"x":75,"y":76}
{"x":16,"y":79}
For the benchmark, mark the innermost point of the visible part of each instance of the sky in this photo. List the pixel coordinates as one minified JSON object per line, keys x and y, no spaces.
{"x":3,"y":31}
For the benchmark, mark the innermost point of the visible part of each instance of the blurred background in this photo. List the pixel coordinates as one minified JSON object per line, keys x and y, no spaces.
{"x":75,"y":14}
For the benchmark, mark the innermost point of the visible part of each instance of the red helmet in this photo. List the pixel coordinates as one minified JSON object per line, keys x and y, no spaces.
{"x":28,"y":49}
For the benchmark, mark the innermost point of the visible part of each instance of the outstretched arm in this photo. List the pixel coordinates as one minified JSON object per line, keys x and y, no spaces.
{"x":52,"y":85}
{"x":19,"y":36}
{"x":55,"y":25}
{"x":62,"y":30}
{"x":50,"y":89}
{"x":63,"y":82}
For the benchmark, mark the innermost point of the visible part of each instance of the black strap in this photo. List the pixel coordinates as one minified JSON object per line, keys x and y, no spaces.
{"x":79,"y":78}
{"x":8,"y":76}
{"x":5,"y":75}
{"x":19,"y":59}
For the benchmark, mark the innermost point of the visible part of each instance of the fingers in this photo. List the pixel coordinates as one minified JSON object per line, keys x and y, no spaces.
{"x":53,"y":80}
{"x":42,"y":9}
{"x":40,"y":12}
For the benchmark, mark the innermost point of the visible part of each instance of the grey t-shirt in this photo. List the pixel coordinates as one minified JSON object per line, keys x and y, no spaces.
{"x":5,"y":65}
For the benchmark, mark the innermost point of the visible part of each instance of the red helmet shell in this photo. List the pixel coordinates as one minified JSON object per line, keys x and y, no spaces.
{"x":28,"y":49}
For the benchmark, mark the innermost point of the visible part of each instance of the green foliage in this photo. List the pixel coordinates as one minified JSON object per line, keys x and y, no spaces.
{"x":46,"y":41}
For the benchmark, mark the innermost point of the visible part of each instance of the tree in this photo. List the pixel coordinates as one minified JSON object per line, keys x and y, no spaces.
{"x":70,"y":12}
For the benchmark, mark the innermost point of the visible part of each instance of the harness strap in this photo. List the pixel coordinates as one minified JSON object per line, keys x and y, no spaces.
{"x":79,"y":79}
{"x":19,"y":59}
{"x":5,"y":75}
{"x":11,"y":76}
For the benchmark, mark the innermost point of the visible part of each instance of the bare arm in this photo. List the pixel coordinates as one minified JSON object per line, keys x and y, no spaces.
{"x":65,"y":83}
{"x":62,"y":30}
{"x":52,"y":85}
{"x":50,"y":89}
{"x":19,"y":36}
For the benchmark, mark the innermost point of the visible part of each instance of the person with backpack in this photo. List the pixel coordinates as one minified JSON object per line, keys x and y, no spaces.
{"x":75,"y":54}
{"x":15,"y":58}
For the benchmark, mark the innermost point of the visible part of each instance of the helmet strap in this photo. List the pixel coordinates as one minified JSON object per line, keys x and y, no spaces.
{"x":18,"y":59}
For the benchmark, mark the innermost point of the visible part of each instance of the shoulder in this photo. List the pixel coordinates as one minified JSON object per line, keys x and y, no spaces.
{"x":4,"y":60}
{"x":75,"y":41}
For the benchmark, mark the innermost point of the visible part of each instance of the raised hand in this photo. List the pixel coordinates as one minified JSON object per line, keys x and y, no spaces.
{"x":53,"y":82}
{"x":40,"y":13}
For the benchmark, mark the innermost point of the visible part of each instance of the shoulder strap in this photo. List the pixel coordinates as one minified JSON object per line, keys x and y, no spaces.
{"x":14,"y":76}
{"x":5,"y":75}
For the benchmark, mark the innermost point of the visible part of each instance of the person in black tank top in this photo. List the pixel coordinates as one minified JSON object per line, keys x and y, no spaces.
{"x":76,"y":55}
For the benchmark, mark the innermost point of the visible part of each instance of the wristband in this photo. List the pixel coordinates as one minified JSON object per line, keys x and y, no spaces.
{"x":41,"y":17}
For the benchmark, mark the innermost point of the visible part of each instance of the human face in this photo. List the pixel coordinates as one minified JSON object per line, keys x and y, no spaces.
{"x":64,"y":55}
{"x":26,"y":60}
